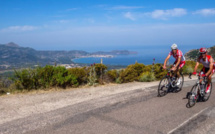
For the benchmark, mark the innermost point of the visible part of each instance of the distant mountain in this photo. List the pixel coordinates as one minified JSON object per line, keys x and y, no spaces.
{"x":11,"y":44}
{"x":194,"y":53}
{"x":14,"y":55}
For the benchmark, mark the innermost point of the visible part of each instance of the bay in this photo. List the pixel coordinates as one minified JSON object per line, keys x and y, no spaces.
{"x":145,"y":56}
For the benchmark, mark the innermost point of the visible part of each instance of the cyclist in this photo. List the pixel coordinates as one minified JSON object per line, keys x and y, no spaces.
{"x":208,"y":66}
{"x":179,"y":62}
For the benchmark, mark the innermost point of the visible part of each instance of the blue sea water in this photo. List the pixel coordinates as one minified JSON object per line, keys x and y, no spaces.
{"x":145,"y":56}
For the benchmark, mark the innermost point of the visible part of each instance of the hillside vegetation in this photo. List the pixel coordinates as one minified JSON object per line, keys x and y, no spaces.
{"x":193,"y":54}
{"x":97,"y":74}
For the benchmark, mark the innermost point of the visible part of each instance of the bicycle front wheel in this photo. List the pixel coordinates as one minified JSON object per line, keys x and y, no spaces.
{"x":207,"y":95}
{"x":181,"y":83}
{"x":163,"y":86}
{"x":193,"y":96}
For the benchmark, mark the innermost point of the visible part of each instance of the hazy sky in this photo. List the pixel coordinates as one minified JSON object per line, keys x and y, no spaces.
{"x":106,"y":24}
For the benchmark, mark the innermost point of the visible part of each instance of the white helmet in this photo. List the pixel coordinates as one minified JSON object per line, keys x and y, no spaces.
{"x":174,"y":46}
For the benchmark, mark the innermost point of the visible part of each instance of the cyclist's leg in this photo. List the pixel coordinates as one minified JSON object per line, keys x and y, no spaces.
{"x":178,"y":72}
{"x":209,"y":78}
{"x":174,"y":72}
{"x":180,"y":66}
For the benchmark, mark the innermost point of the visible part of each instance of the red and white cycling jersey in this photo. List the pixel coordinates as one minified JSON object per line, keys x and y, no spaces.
{"x":205,"y":63}
{"x":178,"y":55}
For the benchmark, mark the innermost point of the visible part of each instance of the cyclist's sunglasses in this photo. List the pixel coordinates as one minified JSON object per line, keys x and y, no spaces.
{"x":202,"y":53}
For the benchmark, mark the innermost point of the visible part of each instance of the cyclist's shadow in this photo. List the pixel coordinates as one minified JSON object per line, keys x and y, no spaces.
{"x":169,"y":90}
{"x":173,"y":90}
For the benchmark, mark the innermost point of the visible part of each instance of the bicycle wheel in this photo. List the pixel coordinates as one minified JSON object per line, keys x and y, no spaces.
{"x":207,"y":95}
{"x":193,"y":97}
{"x":181,"y":83}
{"x":163,"y":86}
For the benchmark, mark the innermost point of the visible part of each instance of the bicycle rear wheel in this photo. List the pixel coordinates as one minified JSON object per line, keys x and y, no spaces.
{"x":207,"y":95}
{"x":163,"y":86}
{"x":193,"y":97}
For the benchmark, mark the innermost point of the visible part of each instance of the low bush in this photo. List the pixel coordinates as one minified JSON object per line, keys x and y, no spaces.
{"x":132,"y":72}
{"x":112,"y":74}
{"x":80,"y":74}
{"x":45,"y":76}
{"x":62,"y":78}
{"x":159,"y":72}
{"x":26,"y":78}
{"x":147,"y":77}
{"x":187,"y":70}
{"x":189,"y":67}
{"x":100,"y":69}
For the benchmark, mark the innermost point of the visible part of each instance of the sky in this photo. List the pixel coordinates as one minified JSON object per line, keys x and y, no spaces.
{"x":93,"y":25}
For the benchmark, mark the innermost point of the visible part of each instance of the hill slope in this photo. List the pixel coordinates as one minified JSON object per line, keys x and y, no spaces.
{"x":13,"y":55}
{"x":194,"y":53}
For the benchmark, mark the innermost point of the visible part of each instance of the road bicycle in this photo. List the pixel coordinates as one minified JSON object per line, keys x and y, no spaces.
{"x":169,"y":83}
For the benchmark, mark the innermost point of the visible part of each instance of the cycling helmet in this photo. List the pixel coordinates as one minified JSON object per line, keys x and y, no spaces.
{"x":202,"y":50}
{"x":174,"y":46}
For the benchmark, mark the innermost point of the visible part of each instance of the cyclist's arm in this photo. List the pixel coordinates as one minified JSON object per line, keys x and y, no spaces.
{"x":211,"y":67}
{"x":178,"y":62}
{"x":197,"y":64}
{"x":167,"y":58}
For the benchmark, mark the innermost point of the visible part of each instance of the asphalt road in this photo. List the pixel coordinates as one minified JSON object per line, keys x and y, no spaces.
{"x":134,"y":112}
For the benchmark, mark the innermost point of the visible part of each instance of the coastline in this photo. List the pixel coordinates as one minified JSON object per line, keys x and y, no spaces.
{"x":122,"y":60}
{"x":92,"y":56}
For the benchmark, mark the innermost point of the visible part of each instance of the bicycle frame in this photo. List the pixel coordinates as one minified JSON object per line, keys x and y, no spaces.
{"x":169,"y":75}
{"x":200,"y":81}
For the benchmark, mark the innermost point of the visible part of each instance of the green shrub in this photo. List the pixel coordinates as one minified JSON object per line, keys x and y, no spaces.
{"x":147,"y":77}
{"x":26,"y":78}
{"x":18,"y":85}
{"x":113,"y":74}
{"x":58,"y":78}
{"x":3,"y":91}
{"x":158,"y":71}
{"x":187,"y":69}
{"x":100,"y":69}
{"x":79,"y":73}
{"x":45,"y":75}
{"x":118,"y":80}
{"x":132,"y":72}
{"x":147,"y":68}
{"x":71,"y":81}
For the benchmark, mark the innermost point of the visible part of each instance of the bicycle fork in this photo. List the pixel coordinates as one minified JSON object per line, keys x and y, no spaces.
{"x":196,"y":91}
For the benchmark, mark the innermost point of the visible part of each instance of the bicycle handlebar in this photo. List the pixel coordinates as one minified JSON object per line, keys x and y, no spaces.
{"x":190,"y":74}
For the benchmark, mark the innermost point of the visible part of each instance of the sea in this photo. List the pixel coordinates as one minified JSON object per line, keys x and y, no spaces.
{"x":144,"y":55}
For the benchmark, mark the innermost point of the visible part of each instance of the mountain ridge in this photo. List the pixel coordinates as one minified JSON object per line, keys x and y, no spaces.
{"x":15,"y":55}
